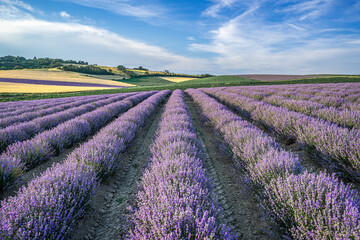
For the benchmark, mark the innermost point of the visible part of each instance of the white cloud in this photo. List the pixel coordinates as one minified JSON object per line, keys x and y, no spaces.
{"x":307,"y":10}
{"x":18,"y":3}
{"x":213,"y":11}
{"x":64,"y":14}
{"x":124,"y":7}
{"x":11,"y":12}
{"x":191,"y":38}
{"x":249,"y":45}
{"x":295,"y":26}
{"x":356,"y":41}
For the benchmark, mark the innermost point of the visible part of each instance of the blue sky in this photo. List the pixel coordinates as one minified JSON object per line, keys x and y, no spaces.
{"x":206,"y":36}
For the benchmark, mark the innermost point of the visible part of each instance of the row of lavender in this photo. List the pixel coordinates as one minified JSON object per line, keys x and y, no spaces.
{"x":26,"y":130}
{"x":303,"y":205}
{"x":174,"y":200}
{"x":23,"y":109}
{"x":337,"y":90}
{"x":13,"y":106}
{"x":22,"y":156}
{"x":342,"y":117}
{"x":50,"y":206}
{"x":342,"y":96}
{"x":19,"y":107}
{"x":337,"y":146}
{"x":55,"y":108}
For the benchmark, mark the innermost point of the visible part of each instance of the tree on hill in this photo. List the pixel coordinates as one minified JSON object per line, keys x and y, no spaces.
{"x":91,"y":69}
{"x":121,"y":68}
{"x":141,"y":68}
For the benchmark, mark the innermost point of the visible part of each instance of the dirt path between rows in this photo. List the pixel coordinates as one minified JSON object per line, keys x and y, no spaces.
{"x":107,"y":217}
{"x":241,"y":212}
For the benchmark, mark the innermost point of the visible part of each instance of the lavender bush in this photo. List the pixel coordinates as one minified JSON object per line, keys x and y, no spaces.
{"x":50,"y":204}
{"x":174,"y":200}
{"x":314,"y":206}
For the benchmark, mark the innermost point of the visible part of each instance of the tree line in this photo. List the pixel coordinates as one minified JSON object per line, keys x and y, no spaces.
{"x":90,"y":69}
{"x":12,"y":63}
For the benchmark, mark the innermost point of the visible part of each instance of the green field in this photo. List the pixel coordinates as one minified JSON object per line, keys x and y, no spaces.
{"x":146,"y":81}
{"x":154,"y":83}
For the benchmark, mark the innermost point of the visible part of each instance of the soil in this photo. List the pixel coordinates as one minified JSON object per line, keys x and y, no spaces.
{"x":241,"y":211}
{"x":107,"y":217}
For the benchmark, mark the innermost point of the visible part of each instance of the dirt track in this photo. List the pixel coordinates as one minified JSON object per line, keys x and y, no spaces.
{"x":107,"y":218}
{"x":241,"y":212}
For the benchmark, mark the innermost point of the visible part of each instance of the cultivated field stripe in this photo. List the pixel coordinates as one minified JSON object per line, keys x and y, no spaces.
{"x":57,"y":83}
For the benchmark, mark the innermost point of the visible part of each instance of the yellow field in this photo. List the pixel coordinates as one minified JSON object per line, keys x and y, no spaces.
{"x":7,"y":87}
{"x":178,"y":79}
{"x":57,"y":75}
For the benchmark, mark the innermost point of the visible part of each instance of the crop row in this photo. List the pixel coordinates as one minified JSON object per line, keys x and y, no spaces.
{"x":337,"y":145}
{"x":23,"y":109}
{"x":26,"y":130}
{"x":303,"y":205}
{"x":27,"y":116}
{"x":7,"y":106}
{"x":13,"y":106}
{"x":345,"y":118}
{"x":174,"y":200}
{"x":22,"y":156}
{"x":50,"y":206}
{"x":338,"y":90}
{"x":347,"y":100}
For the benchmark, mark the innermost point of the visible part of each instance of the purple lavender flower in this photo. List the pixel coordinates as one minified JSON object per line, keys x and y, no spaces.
{"x":314,"y":206}
{"x":174,"y":199}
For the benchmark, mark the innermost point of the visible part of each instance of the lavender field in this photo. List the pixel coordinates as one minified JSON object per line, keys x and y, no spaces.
{"x":249,"y":162}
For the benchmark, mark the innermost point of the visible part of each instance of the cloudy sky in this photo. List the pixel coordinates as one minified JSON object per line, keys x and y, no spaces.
{"x":203,"y":36}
